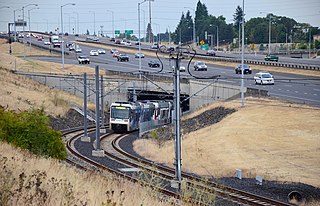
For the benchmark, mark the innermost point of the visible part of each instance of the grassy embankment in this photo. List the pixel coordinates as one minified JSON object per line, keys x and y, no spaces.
{"x":29,"y":180}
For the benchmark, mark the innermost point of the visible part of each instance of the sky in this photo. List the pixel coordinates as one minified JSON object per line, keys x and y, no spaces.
{"x":165,"y":14}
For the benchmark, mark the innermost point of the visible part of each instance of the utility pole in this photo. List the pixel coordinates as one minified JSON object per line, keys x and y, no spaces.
{"x":176,"y":117}
{"x":242,"y":57}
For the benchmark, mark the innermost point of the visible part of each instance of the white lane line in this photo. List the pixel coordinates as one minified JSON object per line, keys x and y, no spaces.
{"x":288,"y":90}
{"x":315,"y":94}
{"x":296,"y":92}
{"x":305,"y":93}
{"x":318,"y":90}
{"x":283,"y":95}
{"x":279,"y":89}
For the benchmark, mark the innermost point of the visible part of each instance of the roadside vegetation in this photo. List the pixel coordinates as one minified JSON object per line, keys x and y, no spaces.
{"x":29,"y":130}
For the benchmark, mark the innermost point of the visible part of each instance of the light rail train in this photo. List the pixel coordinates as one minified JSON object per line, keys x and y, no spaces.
{"x":127,"y":116}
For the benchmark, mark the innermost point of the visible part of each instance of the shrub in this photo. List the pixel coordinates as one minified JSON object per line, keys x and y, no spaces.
{"x":29,"y":130}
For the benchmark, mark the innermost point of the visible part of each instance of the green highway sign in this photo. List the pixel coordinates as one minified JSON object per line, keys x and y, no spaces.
{"x":129,"y":31}
{"x":117,"y":32}
{"x":204,"y":47}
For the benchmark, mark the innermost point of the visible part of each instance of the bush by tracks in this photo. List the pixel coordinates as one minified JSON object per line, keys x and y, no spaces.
{"x":29,"y":130}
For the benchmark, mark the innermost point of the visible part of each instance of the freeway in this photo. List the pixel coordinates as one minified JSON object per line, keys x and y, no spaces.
{"x":293,"y":87}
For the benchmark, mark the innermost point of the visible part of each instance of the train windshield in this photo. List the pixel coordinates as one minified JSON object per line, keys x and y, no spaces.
{"x":120,"y":112}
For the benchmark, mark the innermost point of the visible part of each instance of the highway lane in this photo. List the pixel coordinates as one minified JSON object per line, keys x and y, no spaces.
{"x":287,"y":86}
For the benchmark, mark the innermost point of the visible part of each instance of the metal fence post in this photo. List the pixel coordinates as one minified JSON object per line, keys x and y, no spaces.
{"x":85,"y":137}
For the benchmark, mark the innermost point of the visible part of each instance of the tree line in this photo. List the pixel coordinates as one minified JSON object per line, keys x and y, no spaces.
{"x":283,"y":29}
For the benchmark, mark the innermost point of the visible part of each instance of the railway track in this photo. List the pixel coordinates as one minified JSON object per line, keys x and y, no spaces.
{"x":159,"y":177}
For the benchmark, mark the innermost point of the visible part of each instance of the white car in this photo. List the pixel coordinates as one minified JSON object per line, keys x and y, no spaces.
{"x":182,"y":69}
{"x":137,"y":55}
{"x":101,"y":51}
{"x":46,"y":43}
{"x":78,"y":50}
{"x":127,"y":43}
{"x":263,"y":78}
{"x":94,"y":53}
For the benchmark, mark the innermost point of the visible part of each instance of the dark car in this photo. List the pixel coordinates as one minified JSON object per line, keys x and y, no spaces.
{"x":83,"y":60}
{"x":154,"y":63}
{"x":271,"y":58}
{"x":123,"y":57}
{"x":117,"y":41}
{"x":113,"y":39}
{"x":246,"y":69}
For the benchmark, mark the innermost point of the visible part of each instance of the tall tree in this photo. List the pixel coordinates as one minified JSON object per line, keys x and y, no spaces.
{"x":201,"y":20}
{"x":237,"y":16}
{"x":147,"y":34}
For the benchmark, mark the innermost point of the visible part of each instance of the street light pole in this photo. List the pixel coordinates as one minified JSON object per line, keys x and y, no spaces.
{"x":94,"y":23}
{"x":62,"y":44}
{"x":242,"y":57}
{"x":139,"y":4}
{"x":77,"y":21}
{"x":194,"y":24}
{"x":29,"y":26}
{"x":269,"y":48}
{"x":24,"y":36}
{"x":14,"y":19}
{"x":112,"y":22}
{"x":217,"y":35}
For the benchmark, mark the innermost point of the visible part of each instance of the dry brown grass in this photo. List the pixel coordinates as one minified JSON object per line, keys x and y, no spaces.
{"x":28,"y":180}
{"x":15,"y":62}
{"x":20,"y":93}
{"x":276,"y":140}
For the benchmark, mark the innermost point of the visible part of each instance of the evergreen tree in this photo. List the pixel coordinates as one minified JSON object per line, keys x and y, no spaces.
{"x":237,"y":16}
{"x":201,"y":20}
{"x":149,"y":30}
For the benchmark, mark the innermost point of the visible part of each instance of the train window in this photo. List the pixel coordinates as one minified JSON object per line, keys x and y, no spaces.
{"x":117,"y":113}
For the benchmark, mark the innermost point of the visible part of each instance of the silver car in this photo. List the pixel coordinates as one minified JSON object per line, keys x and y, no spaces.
{"x":200,"y":66}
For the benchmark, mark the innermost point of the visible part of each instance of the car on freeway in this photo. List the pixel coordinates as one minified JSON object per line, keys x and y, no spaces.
{"x":155,"y":45}
{"x":200,"y":66}
{"x":170,"y":49}
{"x":46,"y":42}
{"x":263,"y":78}
{"x":154,"y":63}
{"x":112,"y":39}
{"x":113,"y":51}
{"x":72,"y":47}
{"x":68,"y":44}
{"x":137,"y":43}
{"x":182,"y":69}
{"x":139,"y":55}
{"x":117,"y":41}
{"x":78,"y":50}
{"x":270,"y":57}
{"x":83,"y":60}
{"x":95,"y":38}
{"x":211,"y":52}
{"x":116,"y":54}
{"x":128,"y":43}
{"x":246,"y":69}
{"x":101,"y":51}
{"x":94,"y":53}
{"x":123,"y":57}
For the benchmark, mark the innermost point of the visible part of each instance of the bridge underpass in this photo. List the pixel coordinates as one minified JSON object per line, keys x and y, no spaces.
{"x":155,"y":95}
